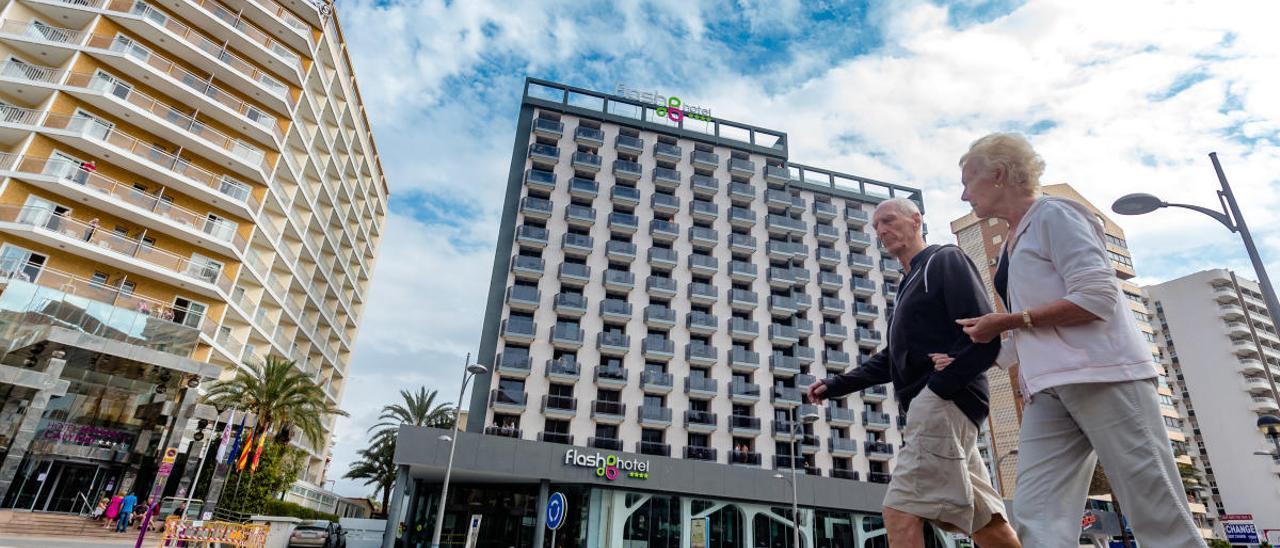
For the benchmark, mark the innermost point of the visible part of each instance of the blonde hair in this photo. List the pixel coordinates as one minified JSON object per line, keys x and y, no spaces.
{"x":1022,"y":166}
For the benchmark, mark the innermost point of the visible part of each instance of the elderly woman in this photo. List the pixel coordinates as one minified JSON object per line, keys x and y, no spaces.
{"x":1088,"y":377}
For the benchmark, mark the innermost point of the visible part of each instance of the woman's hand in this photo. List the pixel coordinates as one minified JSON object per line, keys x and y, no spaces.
{"x":941,"y":361}
{"x":987,"y":327}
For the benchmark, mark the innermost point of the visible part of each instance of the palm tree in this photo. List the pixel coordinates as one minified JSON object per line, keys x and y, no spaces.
{"x":377,"y":467}
{"x":418,"y":409}
{"x":281,"y":395}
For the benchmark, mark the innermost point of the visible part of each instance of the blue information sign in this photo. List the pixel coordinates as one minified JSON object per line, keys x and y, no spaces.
{"x":557,"y":507}
{"x":1241,"y":533}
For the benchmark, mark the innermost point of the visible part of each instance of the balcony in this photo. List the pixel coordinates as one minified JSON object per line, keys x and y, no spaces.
{"x":703,"y":238}
{"x":535,"y":208}
{"x":779,"y":278}
{"x":1244,"y":347}
{"x":577,"y":245}
{"x":546,"y":127}
{"x":862,"y":287}
{"x":826,"y":233}
{"x":703,"y":264}
{"x":101,"y":310}
{"x":563,"y":369}
{"x":503,"y":431}
{"x":786,"y":397}
{"x":700,"y":453}
{"x":704,"y":187}
{"x":1257,"y":384}
{"x":744,"y":425}
{"x":744,"y":361}
{"x":623,"y":252}
{"x":507,"y":400}
{"x":745,"y":458}
{"x":741,"y":193}
{"x":664,"y":203}
{"x":868,"y":338}
{"x":656,"y":382}
{"x":702,"y":210}
{"x":610,"y":444}
{"x":810,"y":444}
{"x":701,"y":323}
{"x":891,"y":268}
{"x":619,"y":280}
{"x":624,"y":196}
{"x":586,"y":162}
{"x":743,"y":330}
{"x":697,"y":353}
{"x":799,"y":276}
{"x":660,"y":287}
{"x":703,"y":293}
{"x":654,"y":448}
{"x":627,"y":143}
{"x":556,"y":437}
{"x":663,"y":231}
{"x":830,"y":280}
{"x":783,"y":335}
{"x":784,"y":430}
{"x":836,"y":361}
{"x":538,"y":179}
{"x":877,"y":421}
{"x":544,"y":156}
{"x":831,"y":306}
{"x":614,"y":311}
{"x":878,"y":451}
{"x":658,"y":348}
{"x":743,"y":300}
{"x":875,"y":393}
{"x":864,"y":311}
{"x":784,"y":367}
{"x":523,"y":297}
{"x":739,"y":166}
{"x":657,"y":315}
{"x":855,"y":217}
{"x":527,"y":268}
{"x":1231,"y":311}
{"x":700,"y":388}
{"x":655,"y":416}
{"x":626,"y":170}
{"x":613,"y":343}
{"x":832,"y":332}
{"x":858,"y":240}
{"x":666,"y":178}
{"x":520,"y":330}
{"x":844,"y":473}
{"x":623,"y":223}
{"x":700,"y":421}
{"x":588,"y":136}
{"x":566,"y":336}
{"x":582,"y":217}
{"x":782,"y":306}
{"x":1251,"y":366}
{"x":879,"y":477}
{"x":827,"y":256}
{"x":1238,"y":329}
{"x":559,"y":406}
{"x":666,"y":151}
{"x":777,"y":175}
{"x":574,"y":274}
{"x":608,"y":412}
{"x":840,"y":416}
{"x":1263,"y":404}
{"x":703,"y":159}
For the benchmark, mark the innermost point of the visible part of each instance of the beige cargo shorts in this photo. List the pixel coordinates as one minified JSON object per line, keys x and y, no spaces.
{"x":939,"y":474}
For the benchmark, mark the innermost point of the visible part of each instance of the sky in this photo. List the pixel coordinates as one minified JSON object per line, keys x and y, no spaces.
{"x":1117,"y":97}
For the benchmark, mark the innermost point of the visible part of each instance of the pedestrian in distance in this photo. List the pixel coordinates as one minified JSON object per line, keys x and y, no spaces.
{"x":126,"y":512}
{"x":113,"y":509}
{"x":1088,"y":377}
{"x":940,"y":476}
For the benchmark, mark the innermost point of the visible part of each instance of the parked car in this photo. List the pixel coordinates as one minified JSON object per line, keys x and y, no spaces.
{"x":318,"y":534}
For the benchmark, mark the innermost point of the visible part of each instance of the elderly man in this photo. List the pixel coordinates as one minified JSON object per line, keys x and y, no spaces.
{"x":940,"y":476}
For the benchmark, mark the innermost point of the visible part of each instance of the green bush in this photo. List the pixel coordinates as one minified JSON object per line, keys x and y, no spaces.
{"x":1218,"y":543}
{"x":275,"y":507}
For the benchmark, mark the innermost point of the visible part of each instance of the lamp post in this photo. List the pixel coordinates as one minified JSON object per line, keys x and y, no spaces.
{"x":797,"y":430}
{"x":1230,"y":217}
{"x":996,"y":477}
{"x":471,"y":370}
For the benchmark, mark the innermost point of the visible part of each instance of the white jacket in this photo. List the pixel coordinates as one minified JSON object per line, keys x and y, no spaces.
{"x":1060,"y":253}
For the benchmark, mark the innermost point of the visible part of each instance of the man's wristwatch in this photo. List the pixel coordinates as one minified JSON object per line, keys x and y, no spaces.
{"x":1026,"y":319}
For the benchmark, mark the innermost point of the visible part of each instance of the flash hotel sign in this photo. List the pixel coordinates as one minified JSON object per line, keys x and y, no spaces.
{"x":671,"y":107}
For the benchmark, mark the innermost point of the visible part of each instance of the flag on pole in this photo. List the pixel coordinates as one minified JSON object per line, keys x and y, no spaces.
{"x":257,"y":453}
{"x":225,"y":440}
{"x":235,"y":447}
{"x":243,"y":459}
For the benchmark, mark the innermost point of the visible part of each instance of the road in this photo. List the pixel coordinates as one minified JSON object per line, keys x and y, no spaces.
{"x":66,"y":542}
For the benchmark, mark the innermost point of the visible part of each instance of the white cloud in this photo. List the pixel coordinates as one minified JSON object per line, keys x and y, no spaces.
{"x":902,"y":113}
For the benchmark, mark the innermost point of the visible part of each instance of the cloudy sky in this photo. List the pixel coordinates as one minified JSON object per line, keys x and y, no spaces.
{"x":1118,"y":97}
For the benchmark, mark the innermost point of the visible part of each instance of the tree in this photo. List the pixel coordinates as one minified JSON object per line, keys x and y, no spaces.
{"x":281,"y":395}
{"x":277,"y":470}
{"x":376,"y":466}
{"x":417,"y":409}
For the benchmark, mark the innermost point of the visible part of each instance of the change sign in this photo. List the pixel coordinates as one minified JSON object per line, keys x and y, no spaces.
{"x":1241,"y":533}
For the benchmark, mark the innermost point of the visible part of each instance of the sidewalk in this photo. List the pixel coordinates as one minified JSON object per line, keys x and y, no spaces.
{"x":69,"y":542}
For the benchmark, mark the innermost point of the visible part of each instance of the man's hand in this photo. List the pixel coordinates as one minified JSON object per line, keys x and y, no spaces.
{"x":989,"y":326}
{"x":817,"y":392}
{"x":941,"y":361}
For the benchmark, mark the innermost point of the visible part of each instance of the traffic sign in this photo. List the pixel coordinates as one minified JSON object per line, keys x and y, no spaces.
{"x":1241,"y":532}
{"x":557,"y":507}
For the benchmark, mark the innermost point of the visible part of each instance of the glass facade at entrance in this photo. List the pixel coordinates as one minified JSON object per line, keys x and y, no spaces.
{"x":599,"y":517}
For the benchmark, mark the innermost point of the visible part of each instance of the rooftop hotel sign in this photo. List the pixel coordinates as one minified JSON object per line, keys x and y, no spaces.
{"x":608,"y":466}
{"x":671,"y":107}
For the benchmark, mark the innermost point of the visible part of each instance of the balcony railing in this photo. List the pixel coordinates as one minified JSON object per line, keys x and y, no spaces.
{"x":39,"y":31}
{"x":45,"y":220}
{"x":285,"y":16}
{"x":93,"y":129}
{"x":70,"y":172}
{"x":111,"y":312}
{"x":251,"y":31}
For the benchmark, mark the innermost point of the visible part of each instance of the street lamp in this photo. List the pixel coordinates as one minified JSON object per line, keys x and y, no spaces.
{"x":996,"y":477}
{"x":797,"y":431}
{"x":472,"y":370}
{"x":1138,"y":204}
